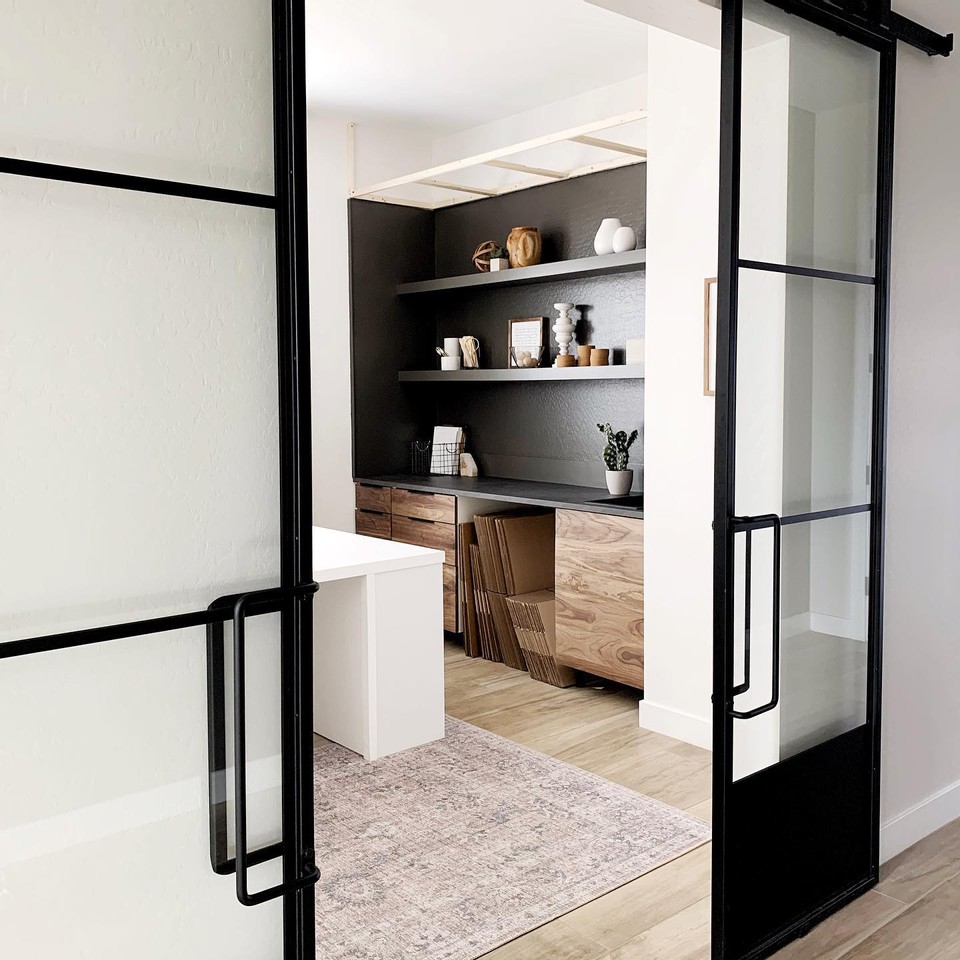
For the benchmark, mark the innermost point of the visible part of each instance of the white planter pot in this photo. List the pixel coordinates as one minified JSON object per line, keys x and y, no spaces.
{"x":603,"y":241}
{"x":624,"y":239}
{"x":619,"y":482}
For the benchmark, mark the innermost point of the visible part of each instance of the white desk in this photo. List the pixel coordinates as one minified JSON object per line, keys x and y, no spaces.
{"x":378,"y":643}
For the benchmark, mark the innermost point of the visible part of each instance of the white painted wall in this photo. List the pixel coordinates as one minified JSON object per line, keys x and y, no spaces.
{"x":380,"y":152}
{"x":682,"y":206}
{"x":921,"y":751}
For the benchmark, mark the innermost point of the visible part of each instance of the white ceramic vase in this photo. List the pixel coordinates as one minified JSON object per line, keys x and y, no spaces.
{"x":603,"y":241}
{"x":619,"y":482}
{"x":563,"y":328}
{"x":624,"y":239}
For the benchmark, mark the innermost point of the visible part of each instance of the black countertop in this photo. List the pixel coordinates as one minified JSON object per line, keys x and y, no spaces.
{"x":527,"y":492}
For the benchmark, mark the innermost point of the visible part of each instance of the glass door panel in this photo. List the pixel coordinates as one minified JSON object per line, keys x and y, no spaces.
{"x":139,"y":390}
{"x":810,"y":109}
{"x":155,"y":622}
{"x":804,"y":393}
{"x":104,"y":809}
{"x":804,"y":270}
{"x":178,"y":90}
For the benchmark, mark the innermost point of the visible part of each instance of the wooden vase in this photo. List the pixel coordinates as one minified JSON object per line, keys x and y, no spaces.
{"x":524,"y":246}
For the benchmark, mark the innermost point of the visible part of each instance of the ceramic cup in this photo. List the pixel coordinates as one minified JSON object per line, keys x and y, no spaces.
{"x":450,"y":363}
{"x":451,"y":346}
{"x":599,"y":357}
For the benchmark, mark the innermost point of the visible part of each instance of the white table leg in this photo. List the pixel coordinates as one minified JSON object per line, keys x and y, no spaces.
{"x":405,"y":659}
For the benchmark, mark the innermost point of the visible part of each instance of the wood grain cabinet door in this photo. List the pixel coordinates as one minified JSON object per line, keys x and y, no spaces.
{"x":599,"y":583}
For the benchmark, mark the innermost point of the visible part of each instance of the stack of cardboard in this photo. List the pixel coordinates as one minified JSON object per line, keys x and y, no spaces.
{"x":534,"y":619}
{"x":515,"y":556}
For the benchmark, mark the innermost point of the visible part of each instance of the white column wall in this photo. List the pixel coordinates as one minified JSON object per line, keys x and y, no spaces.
{"x":682,"y":203}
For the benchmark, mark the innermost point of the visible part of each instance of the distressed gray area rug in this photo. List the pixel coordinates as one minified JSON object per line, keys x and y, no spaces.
{"x":446,"y":851}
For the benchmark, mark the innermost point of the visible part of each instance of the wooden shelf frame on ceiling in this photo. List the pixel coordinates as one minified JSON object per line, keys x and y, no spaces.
{"x":437,"y":177}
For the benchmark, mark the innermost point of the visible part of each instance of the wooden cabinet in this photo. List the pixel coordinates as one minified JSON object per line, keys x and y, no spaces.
{"x":374,"y":499}
{"x":370,"y":524}
{"x":422,"y":519}
{"x":428,"y":533}
{"x":599,"y":585}
{"x":424,"y":506}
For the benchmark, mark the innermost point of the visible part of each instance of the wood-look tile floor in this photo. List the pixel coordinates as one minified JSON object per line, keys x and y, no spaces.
{"x":663,"y":915}
{"x":914,"y":913}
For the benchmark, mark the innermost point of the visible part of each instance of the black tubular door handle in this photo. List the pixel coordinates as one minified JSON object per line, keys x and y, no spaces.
{"x":243,"y":856}
{"x":748,"y":525}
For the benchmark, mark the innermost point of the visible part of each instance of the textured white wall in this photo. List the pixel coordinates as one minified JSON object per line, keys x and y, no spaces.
{"x":921,"y":751}
{"x":139,"y":435}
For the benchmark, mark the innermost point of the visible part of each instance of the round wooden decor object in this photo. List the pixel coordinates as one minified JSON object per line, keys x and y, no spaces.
{"x":485,"y":253}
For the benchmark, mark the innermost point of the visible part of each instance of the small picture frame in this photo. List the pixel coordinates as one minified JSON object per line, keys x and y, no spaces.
{"x":710,"y":337}
{"x":527,"y":335}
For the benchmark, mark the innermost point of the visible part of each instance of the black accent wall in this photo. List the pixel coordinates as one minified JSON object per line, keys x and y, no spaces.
{"x":537,"y":430}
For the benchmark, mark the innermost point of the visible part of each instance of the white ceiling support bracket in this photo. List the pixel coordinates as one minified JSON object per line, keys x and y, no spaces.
{"x":610,"y":145}
{"x":459,"y":188}
{"x":523,"y":168}
{"x":351,"y":159}
{"x":433,"y":177}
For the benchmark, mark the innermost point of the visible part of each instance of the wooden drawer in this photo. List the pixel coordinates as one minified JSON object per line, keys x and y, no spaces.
{"x":424,"y":506}
{"x":450,"y":598}
{"x":371,"y":524}
{"x":376,"y":499}
{"x":599,"y":587}
{"x":427,"y":533}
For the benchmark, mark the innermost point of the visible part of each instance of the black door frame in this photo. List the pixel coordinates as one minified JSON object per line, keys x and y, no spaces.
{"x":871,"y":23}
{"x":292,"y":597}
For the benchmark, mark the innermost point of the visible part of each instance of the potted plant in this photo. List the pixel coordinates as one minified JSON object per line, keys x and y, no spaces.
{"x":616,"y":456}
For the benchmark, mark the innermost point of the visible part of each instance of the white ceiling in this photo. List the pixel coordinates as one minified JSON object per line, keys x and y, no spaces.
{"x":454,"y":64}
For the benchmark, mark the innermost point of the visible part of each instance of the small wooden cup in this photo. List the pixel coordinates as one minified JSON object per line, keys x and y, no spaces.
{"x":566,"y":360}
{"x":583,"y":354}
{"x":599,"y":357}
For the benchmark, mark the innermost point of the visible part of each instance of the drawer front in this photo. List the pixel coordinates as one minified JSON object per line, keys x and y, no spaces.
{"x":376,"y":499}
{"x":600,"y":627}
{"x":427,"y":533}
{"x":424,"y":506}
{"x":599,"y":587}
{"x":609,"y":546}
{"x":374,"y":524}
{"x":450,"y":598}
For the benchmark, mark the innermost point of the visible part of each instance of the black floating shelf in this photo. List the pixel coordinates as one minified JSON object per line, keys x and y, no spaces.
{"x":542,"y":272}
{"x":632,"y":371}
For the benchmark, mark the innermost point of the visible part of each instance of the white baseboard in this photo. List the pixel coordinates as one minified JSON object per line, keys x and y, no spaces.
{"x":676,"y":724}
{"x":922,"y":819}
{"x":838,"y":626}
{"x":794,"y":626}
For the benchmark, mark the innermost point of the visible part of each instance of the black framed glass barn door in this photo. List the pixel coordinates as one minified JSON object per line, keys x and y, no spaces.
{"x":807,"y":147}
{"x":155,"y":555}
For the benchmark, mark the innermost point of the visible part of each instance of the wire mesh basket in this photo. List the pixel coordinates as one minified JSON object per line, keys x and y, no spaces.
{"x":427,"y":457}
